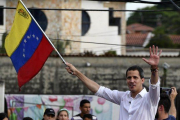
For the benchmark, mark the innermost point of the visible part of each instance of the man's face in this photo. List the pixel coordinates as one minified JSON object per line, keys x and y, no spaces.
{"x":160,"y":111}
{"x":85,"y":109}
{"x":49,"y":117}
{"x":134,"y":81}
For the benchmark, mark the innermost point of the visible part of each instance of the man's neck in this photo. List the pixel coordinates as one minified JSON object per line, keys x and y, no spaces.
{"x":133,"y":94}
{"x":163,"y":116}
{"x":81,"y":115}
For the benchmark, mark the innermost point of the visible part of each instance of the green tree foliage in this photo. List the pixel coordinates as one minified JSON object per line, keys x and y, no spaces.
{"x":109,"y":53}
{"x":159,"y":30}
{"x":60,"y":46}
{"x":170,"y":20}
{"x":162,"y":41}
{"x":168,"y":4}
{"x":146,"y":18}
{"x":171,"y":23}
{"x":88,"y":53}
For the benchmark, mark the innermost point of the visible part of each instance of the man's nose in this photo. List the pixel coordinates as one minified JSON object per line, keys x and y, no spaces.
{"x":131,"y":80}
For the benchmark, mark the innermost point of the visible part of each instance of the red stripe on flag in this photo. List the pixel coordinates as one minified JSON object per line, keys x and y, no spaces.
{"x":35,"y":63}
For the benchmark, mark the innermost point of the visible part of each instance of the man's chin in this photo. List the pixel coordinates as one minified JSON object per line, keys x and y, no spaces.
{"x":132,"y":90}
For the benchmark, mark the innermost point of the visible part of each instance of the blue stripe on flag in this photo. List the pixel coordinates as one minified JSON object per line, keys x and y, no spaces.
{"x":27,"y":47}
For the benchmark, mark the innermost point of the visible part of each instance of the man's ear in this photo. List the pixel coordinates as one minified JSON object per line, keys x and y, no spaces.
{"x":143,"y":80}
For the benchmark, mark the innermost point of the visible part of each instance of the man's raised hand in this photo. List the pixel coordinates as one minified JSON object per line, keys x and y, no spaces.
{"x":154,"y":56}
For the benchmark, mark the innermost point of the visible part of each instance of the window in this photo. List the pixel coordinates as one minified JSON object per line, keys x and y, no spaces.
{"x":114,"y":21}
{"x":1,"y":16}
{"x":85,"y":23}
{"x":40,"y":18}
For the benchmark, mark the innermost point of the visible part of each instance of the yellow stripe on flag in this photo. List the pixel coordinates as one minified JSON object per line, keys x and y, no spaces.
{"x":21,"y":23}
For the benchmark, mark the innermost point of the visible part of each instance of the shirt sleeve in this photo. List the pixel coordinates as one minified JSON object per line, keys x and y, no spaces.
{"x":172,"y":117}
{"x":114,"y":96}
{"x":154,"y":92}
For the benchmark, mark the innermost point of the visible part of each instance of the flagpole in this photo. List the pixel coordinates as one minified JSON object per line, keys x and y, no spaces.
{"x":44,"y":33}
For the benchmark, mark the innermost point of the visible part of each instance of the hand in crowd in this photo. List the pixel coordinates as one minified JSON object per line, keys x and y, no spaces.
{"x":173,"y":93}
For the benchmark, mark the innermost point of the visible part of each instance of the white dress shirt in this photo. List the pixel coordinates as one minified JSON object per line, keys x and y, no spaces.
{"x":142,"y":107}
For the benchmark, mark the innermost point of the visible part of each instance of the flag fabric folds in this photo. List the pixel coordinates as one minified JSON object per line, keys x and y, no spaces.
{"x":27,"y":46}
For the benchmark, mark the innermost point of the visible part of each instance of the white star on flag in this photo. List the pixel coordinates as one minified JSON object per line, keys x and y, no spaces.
{"x":28,"y":37}
{"x":37,"y":38}
{"x":33,"y":36}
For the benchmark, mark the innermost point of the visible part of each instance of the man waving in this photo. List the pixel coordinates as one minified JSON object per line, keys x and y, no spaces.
{"x":137,"y":103}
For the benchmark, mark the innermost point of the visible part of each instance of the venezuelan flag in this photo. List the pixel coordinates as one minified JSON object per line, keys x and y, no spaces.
{"x":26,"y":45}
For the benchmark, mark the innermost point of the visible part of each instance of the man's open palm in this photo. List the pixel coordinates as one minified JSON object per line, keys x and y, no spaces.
{"x":154,"y":56}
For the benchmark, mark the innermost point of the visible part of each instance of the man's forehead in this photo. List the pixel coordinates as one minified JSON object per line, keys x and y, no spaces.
{"x":133,"y":72}
{"x":86,"y":104}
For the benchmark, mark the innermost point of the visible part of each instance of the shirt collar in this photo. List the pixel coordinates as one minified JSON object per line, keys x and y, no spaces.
{"x":142,"y":93}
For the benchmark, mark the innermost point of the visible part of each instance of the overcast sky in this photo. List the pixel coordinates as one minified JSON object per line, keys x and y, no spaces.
{"x":135,"y":6}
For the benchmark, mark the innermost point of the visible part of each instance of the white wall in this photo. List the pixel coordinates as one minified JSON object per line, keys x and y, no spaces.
{"x":144,"y":53}
{"x":100,"y":31}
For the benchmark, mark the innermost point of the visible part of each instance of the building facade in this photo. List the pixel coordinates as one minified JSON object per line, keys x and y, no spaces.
{"x":70,"y":29}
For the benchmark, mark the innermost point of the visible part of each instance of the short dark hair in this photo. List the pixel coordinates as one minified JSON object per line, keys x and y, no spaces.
{"x":165,"y":101}
{"x":88,"y":116}
{"x":27,"y":118}
{"x":84,"y":101}
{"x":139,"y":69}
{"x":3,"y":115}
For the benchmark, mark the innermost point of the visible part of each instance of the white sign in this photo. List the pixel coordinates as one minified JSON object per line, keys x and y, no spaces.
{"x":2,"y":92}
